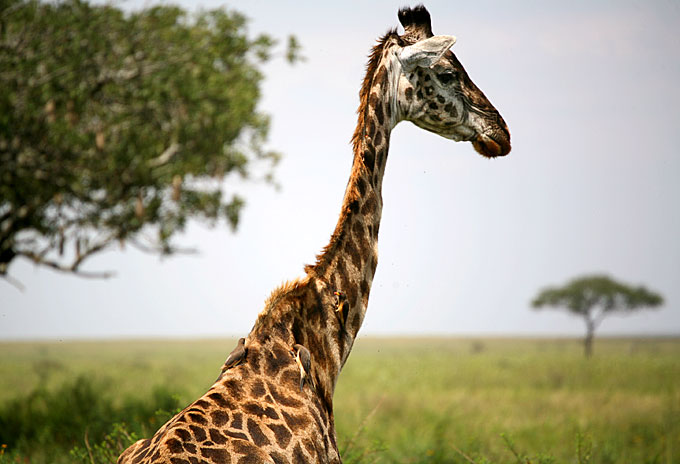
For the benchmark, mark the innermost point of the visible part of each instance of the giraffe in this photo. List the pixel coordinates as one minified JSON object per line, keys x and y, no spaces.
{"x":256,"y":412}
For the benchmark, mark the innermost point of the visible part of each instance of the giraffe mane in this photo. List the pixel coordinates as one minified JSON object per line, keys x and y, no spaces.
{"x":282,"y":291}
{"x":365,"y":92}
{"x":277,"y":295}
{"x":352,"y":196}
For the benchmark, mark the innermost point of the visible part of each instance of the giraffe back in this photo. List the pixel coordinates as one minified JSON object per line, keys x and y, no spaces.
{"x":255,"y":413}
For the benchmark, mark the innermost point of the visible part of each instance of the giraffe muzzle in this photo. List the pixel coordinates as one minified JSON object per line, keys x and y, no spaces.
{"x":492,"y":145}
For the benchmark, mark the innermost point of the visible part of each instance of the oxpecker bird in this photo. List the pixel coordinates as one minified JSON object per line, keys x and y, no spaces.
{"x":236,"y":357}
{"x":341,"y":307}
{"x":304,"y":361}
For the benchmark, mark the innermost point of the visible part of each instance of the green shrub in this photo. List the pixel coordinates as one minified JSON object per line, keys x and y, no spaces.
{"x":43,"y":425}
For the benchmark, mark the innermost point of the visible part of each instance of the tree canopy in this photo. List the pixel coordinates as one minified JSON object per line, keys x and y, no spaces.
{"x":594,"y":297}
{"x":599,"y":292}
{"x":120,"y":127}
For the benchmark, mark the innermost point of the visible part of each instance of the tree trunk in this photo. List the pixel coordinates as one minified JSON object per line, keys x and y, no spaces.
{"x":588,"y":341}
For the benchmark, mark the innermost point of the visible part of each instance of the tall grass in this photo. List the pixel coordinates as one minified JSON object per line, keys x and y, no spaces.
{"x":438,"y":396}
{"x":45,"y":425}
{"x":397,"y":401}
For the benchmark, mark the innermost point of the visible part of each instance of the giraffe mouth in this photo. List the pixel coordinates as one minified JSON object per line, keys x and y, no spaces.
{"x":492,"y":145}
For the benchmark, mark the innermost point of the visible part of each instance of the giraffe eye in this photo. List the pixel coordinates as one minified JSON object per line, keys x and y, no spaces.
{"x":445,"y":78}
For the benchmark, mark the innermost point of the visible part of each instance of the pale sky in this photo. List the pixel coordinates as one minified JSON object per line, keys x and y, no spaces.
{"x":590,"y":93}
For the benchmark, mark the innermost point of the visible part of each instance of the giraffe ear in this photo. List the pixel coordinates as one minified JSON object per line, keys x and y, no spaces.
{"x":426,"y":52}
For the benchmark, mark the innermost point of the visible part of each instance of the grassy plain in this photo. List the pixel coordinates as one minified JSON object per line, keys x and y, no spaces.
{"x":405,"y":400}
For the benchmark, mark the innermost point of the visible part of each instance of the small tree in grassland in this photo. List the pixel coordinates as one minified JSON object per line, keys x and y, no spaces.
{"x":593,"y":298}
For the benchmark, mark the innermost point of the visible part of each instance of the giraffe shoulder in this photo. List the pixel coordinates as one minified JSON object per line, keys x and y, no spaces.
{"x":132,"y":450}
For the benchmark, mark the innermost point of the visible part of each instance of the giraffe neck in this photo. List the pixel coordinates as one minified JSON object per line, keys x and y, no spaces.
{"x":348,"y":263}
{"x":303,"y":311}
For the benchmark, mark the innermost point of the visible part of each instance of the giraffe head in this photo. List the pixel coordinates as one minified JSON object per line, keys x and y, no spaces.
{"x":435,"y":93}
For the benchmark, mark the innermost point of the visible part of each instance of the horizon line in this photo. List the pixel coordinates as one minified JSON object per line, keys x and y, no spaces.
{"x":431,"y":335}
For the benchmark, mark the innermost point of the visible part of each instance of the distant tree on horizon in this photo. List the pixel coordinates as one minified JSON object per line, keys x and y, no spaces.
{"x":120,"y":127}
{"x":593,"y":298}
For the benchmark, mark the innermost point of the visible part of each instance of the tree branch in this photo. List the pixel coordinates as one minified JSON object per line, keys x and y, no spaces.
{"x":160,"y":249}
{"x":73,"y":268}
{"x":88,"y":252}
{"x":166,"y":156}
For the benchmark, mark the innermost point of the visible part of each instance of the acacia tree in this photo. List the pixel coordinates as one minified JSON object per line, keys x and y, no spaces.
{"x":595,"y":297}
{"x":119,"y":127}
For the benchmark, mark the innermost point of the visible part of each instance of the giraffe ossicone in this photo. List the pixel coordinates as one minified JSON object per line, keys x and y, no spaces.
{"x":258,"y":412}
{"x":424,"y":53}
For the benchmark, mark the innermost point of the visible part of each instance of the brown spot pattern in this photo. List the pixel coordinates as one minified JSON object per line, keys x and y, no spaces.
{"x":216,"y":455}
{"x":295,"y":422}
{"x":378,"y":138}
{"x":278,"y":458}
{"x":182,"y":434}
{"x":202,"y":404}
{"x":232,"y":434}
{"x":219,"y":418}
{"x":381,"y":76}
{"x":277,"y":360}
{"x":281,"y":433}
{"x":236,"y":422}
{"x":217,"y":437}
{"x":256,"y":433}
{"x":369,"y":205}
{"x":219,"y":400}
{"x":249,"y":459}
{"x":298,"y":455}
{"x":379,"y":114}
{"x":199,"y":433}
{"x":361,"y":185}
{"x":197,"y":418}
{"x":141,"y":454}
{"x":369,"y":159}
{"x":374,"y":101}
{"x":282,"y":399}
{"x":370,"y":129}
{"x":257,"y":410}
{"x":290,"y":379}
{"x":254,"y":359}
{"x":174,"y":446}
{"x":353,"y":253}
{"x":344,"y":275}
